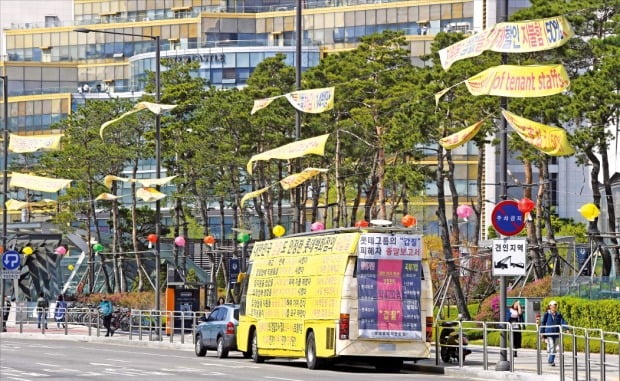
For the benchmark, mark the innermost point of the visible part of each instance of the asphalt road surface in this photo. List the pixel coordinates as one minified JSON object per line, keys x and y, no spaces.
{"x":76,"y":360}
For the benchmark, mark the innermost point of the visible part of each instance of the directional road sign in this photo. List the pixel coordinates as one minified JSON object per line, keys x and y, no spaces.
{"x":11,"y":260}
{"x":507,"y":219}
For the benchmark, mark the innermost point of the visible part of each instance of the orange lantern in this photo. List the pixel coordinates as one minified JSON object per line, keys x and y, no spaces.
{"x":209,"y":240}
{"x":408,"y":221}
{"x":152,"y":238}
{"x":362,"y":224}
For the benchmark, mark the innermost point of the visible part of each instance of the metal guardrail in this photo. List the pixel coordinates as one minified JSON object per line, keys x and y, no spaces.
{"x":575,"y":334}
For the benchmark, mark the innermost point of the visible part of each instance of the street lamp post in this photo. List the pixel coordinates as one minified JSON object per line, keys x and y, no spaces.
{"x":157,"y":131}
{"x":5,"y":170}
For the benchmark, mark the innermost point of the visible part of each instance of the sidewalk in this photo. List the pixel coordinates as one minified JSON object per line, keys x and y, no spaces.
{"x":524,"y":364}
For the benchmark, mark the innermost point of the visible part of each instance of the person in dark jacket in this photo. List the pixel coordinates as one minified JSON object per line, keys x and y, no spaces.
{"x":550,"y":325}
{"x":515,"y":316}
{"x":5,"y":311}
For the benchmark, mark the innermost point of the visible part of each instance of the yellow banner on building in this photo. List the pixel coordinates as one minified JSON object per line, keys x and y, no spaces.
{"x":253,"y":194}
{"x":550,"y":140}
{"x":511,"y":37}
{"x":460,"y":137}
{"x":38,"y":183}
{"x":299,"y":178}
{"x":23,"y":144}
{"x":312,"y":101}
{"x":155,"y":108}
{"x":315,"y":145}
{"x":519,"y":81}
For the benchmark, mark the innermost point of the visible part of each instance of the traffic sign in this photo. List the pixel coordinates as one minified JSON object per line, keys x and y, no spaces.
{"x":11,"y":260}
{"x":507,"y":219}
{"x":509,"y":257}
{"x":233,"y":264}
{"x":10,"y":274}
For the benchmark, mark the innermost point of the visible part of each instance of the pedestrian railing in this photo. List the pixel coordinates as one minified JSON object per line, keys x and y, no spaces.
{"x":591,"y":361}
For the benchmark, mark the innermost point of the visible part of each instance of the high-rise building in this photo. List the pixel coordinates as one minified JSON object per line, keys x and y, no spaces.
{"x":52,"y":69}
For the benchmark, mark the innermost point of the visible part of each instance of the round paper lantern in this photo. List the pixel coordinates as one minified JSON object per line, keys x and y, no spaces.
{"x":526,"y":205}
{"x":152,"y":238}
{"x":408,"y":221}
{"x":278,"y":230}
{"x":209,"y":240}
{"x":70,"y":267}
{"x":60,"y":250}
{"x":589,"y":211}
{"x":243,"y":237}
{"x":316,"y":226}
{"x":179,"y":241}
{"x":27,"y":250}
{"x":97,"y":248}
{"x":464,"y":211}
{"x":361,"y":224}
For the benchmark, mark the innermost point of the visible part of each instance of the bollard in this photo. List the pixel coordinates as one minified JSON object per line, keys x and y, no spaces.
{"x":130,"y":324}
{"x":437,"y":344}
{"x":511,"y":348}
{"x":602,"y":355}
{"x":171,"y":322}
{"x":66,"y":321}
{"x":538,"y":347}
{"x":90,"y":323}
{"x":574,"y":343}
{"x":485,"y":355}
{"x":561,"y":354}
{"x":183,"y":327}
{"x":460,"y":344}
{"x":21,"y":322}
{"x":587,"y":354}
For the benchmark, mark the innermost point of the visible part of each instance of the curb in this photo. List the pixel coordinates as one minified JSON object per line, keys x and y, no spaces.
{"x":497,"y":375}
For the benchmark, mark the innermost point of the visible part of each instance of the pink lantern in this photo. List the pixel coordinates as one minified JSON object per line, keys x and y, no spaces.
{"x":525,"y":205}
{"x":464,"y":211}
{"x":316,"y":226}
{"x":179,"y":241}
{"x":60,"y":250}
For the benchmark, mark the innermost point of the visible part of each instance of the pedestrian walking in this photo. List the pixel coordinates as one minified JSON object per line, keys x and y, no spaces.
{"x":42,"y":306}
{"x":550,"y":325}
{"x":5,"y":311}
{"x":515,"y":317}
{"x":60,"y":312}
{"x":106,"y":309}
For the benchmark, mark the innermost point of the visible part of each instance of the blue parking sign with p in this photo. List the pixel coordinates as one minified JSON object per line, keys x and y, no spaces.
{"x":11,"y":260}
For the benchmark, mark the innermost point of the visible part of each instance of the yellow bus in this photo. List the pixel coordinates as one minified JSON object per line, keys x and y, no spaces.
{"x":362,"y":294}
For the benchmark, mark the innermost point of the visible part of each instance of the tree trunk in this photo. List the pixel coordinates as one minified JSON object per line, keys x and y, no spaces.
{"x":134,"y":228}
{"x":544,"y":184}
{"x":445,"y":240}
{"x":611,"y":211}
{"x":593,"y":229}
{"x":479,"y":205}
{"x":536,"y":253}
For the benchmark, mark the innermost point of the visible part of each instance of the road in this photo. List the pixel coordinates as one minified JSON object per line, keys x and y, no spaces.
{"x":75,"y":360}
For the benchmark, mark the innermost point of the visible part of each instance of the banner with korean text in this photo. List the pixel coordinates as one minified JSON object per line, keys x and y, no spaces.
{"x":511,"y":37}
{"x":312,"y":101}
{"x":23,"y":144}
{"x":315,"y":145}
{"x":389,"y":286}
{"x":519,"y":81}
{"x":460,"y":137}
{"x":155,"y":108}
{"x":38,"y":183}
{"x":299,"y":178}
{"x":550,"y":140}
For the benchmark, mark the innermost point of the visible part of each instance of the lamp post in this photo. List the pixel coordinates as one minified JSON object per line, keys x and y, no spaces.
{"x":5,"y":170}
{"x":157,"y":130}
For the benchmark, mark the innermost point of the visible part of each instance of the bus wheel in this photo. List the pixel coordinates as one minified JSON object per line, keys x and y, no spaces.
{"x":255,"y":357}
{"x":389,"y":364}
{"x":312,"y":360}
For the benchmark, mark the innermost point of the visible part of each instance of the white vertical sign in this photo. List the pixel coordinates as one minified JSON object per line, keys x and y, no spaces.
{"x":509,"y":257}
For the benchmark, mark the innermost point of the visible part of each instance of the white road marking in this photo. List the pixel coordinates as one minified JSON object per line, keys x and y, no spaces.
{"x":46,"y":364}
{"x":281,"y":378}
{"x":117,"y":360}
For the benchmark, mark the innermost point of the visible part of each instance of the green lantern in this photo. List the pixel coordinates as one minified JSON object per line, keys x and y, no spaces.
{"x":97,"y":248}
{"x":243,"y":237}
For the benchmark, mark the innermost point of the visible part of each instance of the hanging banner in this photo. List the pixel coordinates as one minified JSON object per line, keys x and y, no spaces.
{"x":253,"y":194}
{"x":260,"y":104}
{"x":460,"y":137}
{"x":107,"y":181}
{"x":152,"y":182}
{"x":38,"y":183}
{"x":511,"y":37}
{"x":155,"y":108}
{"x":547,"y":139}
{"x":18,"y":205}
{"x":107,"y":197}
{"x":315,"y":145}
{"x":149,"y":194}
{"x":23,"y":144}
{"x":312,"y":101}
{"x":519,"y":81}
{"x":299,"y":178}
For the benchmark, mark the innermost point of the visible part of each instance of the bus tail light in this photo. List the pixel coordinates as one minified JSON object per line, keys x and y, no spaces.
{"x":230,"y":328}
{"x":343,"y":326}
{"x":429,"y":328}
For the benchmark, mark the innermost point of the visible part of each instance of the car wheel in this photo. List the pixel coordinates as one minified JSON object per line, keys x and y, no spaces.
{"x":200,"y":349}
{"x":221,"y":352}
{"x":255,"y":357}
{"x":312,"y":360}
